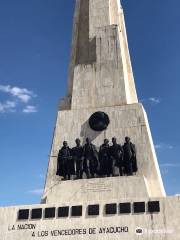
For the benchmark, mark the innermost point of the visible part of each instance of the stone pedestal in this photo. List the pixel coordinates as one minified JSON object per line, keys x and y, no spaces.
{"x":128,"y":120}
{"x":161,"y":225}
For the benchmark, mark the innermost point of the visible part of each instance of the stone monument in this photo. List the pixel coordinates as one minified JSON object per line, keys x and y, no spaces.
{"x":101,"y":103}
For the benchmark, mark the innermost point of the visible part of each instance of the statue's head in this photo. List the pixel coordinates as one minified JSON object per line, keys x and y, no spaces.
{"x":78,"y":141}
{"x":88,"y":141}
{"x":114,"y":140}
{"x":106,"y":141}
{"x":127,"y":139}
{"x":65,"y":144}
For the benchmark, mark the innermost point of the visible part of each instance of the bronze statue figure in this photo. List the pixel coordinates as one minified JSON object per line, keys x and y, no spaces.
{"x":116,"y":152}
{"x":105,"y":160}
{"x":130,"y":162}
{"x":90,"y":164}
{"x":86,"y":159}
{"x":65,"y":166}
{"x":77,"y":154}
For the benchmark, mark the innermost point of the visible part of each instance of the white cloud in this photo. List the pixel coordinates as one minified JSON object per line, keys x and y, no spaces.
{"x":172,"y":165}
{"x":165,"y":167}
{"x":157,"y":146}
{"x":152,"y":100}
{"x":163,"y":146}
{"x":177,"y":195}
{"x":23,"y":94}
{"x":38,"y":192}
{"x":30,"y":109}
{"x":7,"y":106}
{"x":17,"y":97}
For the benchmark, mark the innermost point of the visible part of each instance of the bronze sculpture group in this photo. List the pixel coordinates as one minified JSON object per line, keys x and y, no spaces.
{"x":86,"y":159}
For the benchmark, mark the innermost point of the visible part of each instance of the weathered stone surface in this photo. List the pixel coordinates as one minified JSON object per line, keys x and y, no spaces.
{"x":97,"y":189}
{"x":100,"y":72}
{"x":127,"y":120}
{"x":158,"y":226}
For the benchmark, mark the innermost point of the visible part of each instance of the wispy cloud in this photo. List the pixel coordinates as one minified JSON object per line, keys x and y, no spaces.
{"x":7,"y":106}
{"x":38,"y":191}
{"x":170,"y":165}
{"x":152,"y":100}
{"x":163,"y":146}
{"x":166,"y":167}
{"x":30,"y":109}
{"x":17,"y":98}
{"x":22,"y":94}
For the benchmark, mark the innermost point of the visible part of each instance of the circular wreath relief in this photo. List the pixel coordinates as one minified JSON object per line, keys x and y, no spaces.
{"x":99,"y":121}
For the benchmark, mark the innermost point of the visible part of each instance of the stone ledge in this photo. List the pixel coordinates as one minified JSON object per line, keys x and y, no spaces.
{"x":79,"y":191}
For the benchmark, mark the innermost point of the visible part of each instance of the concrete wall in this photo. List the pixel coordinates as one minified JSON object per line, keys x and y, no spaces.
{"x":158,"y":226}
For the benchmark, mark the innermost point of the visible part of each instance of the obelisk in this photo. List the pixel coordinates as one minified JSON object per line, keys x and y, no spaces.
{"x":101,"y":79}
{"x":99,"y":40}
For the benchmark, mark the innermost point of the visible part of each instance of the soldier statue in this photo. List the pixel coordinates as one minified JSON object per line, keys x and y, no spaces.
{"x":116,"y":151}
{"x":77,"y":153}
{"x":130,"y":162}
{"x":105,"y":160}
{"x":65,"y":166}
{"x":90,"y":163}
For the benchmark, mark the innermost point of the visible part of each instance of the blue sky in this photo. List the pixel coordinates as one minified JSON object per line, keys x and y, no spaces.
{"x":35,"y":38}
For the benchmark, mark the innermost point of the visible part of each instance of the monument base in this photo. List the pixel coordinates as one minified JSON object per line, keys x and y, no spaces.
{"x":127,"y":120}
{"x":96,"y":189}
{"x":143,"y":218}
